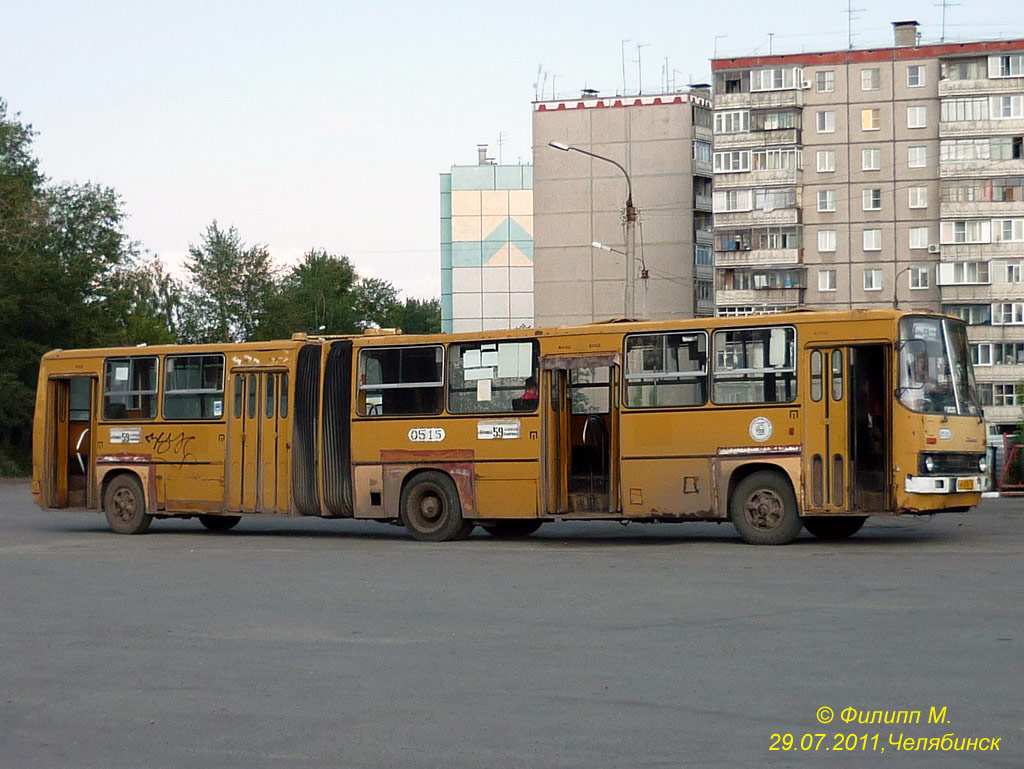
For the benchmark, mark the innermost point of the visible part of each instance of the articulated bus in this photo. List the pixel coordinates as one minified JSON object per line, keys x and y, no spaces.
{"x":774,"y":423}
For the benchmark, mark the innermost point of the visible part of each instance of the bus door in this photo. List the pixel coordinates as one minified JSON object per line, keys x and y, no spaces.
{"x":70,"y":435}
{"x":257,"y":441}
{"x":826,"y":433}
{"x":581,"y":435}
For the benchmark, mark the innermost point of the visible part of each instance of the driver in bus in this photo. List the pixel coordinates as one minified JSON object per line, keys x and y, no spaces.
{"x":922,"y":392}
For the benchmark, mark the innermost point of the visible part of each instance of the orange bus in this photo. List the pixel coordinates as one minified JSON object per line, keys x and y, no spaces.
{"x":811,"y":420}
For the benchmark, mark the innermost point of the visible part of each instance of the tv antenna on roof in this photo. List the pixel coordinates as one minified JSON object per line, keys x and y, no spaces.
{"x":944,"y":5}
{"x":850,"y":18}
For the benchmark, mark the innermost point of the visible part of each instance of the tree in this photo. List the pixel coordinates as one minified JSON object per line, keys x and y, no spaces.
{"x":317,"y":293}
{"x":420,"y":316}
{"x":229,"y":288}
{"x":376,"y":302}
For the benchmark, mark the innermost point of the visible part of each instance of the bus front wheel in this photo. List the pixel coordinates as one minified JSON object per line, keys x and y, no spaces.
{"x":763,"y":509}
{"x":834,"y":527}
{"x":219,"y":523}
{"x":430,"y":509}
{"x":125,"y":505}
{"x":511,"y":529}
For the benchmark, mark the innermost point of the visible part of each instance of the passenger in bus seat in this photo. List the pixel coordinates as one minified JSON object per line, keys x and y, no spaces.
{"x":528,"y":400}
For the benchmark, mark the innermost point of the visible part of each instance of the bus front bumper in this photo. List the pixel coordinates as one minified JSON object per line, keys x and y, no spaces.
{"x":945,"y":484}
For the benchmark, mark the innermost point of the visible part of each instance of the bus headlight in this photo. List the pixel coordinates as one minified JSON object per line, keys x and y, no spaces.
{"x":982,"y":465}
{"x":929,"y":464}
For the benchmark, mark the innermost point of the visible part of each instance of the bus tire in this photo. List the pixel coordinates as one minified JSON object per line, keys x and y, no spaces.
{"x":763,"y":509}
{"x":125,"y":505}
{"x":834,"y":527}
{"x":219,"y":523}
{"x":515,"y":529}
{"x":430,"y":509}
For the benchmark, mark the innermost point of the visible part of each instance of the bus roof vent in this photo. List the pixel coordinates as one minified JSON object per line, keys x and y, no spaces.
{"x":300,"y":336}
{"x":381,"y":331}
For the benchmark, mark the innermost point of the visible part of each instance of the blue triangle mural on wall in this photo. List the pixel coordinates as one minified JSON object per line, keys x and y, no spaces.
{"x":509,"y":231}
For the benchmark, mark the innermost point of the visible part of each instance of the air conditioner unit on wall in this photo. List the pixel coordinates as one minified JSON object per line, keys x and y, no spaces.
{"x":933,"y":248}
{"x":805,"y":84}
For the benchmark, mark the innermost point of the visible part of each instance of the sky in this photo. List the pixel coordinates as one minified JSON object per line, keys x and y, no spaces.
{"x":319,"y":124}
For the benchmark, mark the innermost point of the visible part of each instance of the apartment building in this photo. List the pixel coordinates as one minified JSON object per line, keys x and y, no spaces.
{"x":486,"y":246}
{"x":879,"y":178}
{"x":663,"y":142}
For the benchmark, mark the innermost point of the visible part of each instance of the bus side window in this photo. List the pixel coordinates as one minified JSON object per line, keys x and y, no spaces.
{"x":816,"y":376}
{"x":837,"y":375}
{"x":238,"y":396}
{"x":283,"y":407}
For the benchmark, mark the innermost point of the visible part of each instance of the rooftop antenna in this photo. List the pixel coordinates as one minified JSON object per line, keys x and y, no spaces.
{"x":850,"y":18}
{"x":944,"y":5}
{"x":771,"y":37}
{"x":538,"y":84}
{"x":640,"y":66}
{"x":717,"y":38}
{"x":624,"y":65}
{"x":501,"y":142}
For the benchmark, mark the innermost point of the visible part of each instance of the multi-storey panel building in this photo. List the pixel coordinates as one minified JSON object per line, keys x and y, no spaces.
{"x":664,"y":144}
{"x":486,"y":246}
{"x":874,"y":178}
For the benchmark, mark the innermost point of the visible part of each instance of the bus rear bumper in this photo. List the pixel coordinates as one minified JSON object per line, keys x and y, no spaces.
{"x":945,"y":484}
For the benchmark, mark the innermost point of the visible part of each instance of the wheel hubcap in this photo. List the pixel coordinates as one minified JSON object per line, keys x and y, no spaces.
{"x":764,"y":509}
{"x":124,"y":504}
{"x":430,"y":507}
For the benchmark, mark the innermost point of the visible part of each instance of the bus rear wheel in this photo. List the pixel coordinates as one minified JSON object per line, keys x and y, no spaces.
{"x":511,"y":529}
{"x":834,"y":527}
{"x":219,"y":523}
{"x":763,"y":509}
{"x":430,"y":509}
{"x":125,"y":505}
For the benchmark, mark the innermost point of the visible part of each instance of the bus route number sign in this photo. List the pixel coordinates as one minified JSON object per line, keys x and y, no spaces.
{"x":426,"y":434}
{"x":126,"y":435}
{"x":498,"y":429}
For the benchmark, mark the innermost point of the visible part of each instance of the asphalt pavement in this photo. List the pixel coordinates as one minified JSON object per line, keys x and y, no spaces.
{"x":312,"y":643}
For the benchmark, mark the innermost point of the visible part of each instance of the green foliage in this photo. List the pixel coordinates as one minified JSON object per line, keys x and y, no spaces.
{"x":230,"y":285}
{"x":316,"y":294}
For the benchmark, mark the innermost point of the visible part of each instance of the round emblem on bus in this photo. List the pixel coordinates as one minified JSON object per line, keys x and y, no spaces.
{"x":760,"y":429}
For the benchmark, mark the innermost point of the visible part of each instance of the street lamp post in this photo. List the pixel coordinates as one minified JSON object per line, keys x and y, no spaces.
{"x":631,"y":217}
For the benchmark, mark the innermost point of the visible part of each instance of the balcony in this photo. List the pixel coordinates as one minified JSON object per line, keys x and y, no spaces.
{"x":981,"y":208}
{"x":977,"y":87}
{"x":702,"y":202}
{"x":976,"y":293}
{"x":757,"y":257}
{"x":703,"y":168}
{"x":1003,"y":414}
{"x":955,"y":252}
{"x":703,"y":133}
{"x":787,"y":137}
{"x":970,"y":169}
{"x":1014,"y":126}
{"x":986,"y":333}
{"x":759,"y":100}
{"x":754,"y":218}
{"x":704,"y":271}
{"x":704,"y":236}
{"x":754,"y":296}
{"x":776,"y":177}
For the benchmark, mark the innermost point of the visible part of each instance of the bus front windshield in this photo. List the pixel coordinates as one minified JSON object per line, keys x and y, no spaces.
{"x":935,"y":367}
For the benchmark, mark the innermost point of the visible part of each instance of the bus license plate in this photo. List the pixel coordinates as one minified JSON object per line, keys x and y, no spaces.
{"x":965,"y":484}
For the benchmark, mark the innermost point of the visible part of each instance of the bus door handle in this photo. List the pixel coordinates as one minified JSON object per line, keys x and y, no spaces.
{"x":78,"y":449}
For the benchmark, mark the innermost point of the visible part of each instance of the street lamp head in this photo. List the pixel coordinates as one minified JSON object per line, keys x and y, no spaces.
{"x":560,"y":146}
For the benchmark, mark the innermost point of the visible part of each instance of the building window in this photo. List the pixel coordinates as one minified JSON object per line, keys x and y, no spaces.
{"x":871,"y":160}
{"x":917,"y":157}
{"x":1004,"y":394}
{"x":826,"y":200}
{"x":1008,"y":354}
{"x":755,"y":365}
{"x":871,"y":199}
{"x":826,"y":121}
{"x":981,"y":354}
{"x":872,"y":240}
{"x":826,"y":280}
{"x":775,"y":159}
{"x":918,"y":277}
{"x":971,"y":314}
{"x":1014,"y":272}
{"x":919,"y":237}
{"x":702,"y":151}
{"x":915,"y":75}
{"x":732,"y":162}
{"x":963,"y":273}
{"x":1006,"y":66}
{"x":1007,"y":230}
{"x":918,"y":197}
{"x":917,"y":117}
{"x":774,"y":79}
{"x":194,"y":387}
{"x":703,"y":255}
{"x":401,"y":380}
{"x":964,"y":110}
{"x":826,"y":241}
{"x":129,"y":388}
{"x":667,"y":370}
{"x":869,"y":79}
{"x":966,"y":231}
{"x":734,"y":122}
{"x":870,"y":119}
{"x":873,"y":279}
{"x":1007,"y":107}
{"x":1008,"y":313}
{"x":826,"y":161}
{"x":725,"y":201}
{"x":826,"y":81}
